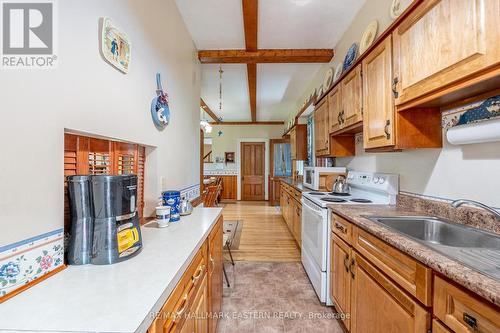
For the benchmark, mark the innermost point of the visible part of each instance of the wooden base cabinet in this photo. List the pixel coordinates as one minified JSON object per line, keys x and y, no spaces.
{"x":380,"y":306}
{"x":198,"y":294}
{"x":291,"y":210}
{"x":215,"y":262}
{"x":340,"y":278}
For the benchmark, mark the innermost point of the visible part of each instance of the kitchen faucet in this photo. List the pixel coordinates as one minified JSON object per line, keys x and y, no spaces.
{"x":458,"y":203}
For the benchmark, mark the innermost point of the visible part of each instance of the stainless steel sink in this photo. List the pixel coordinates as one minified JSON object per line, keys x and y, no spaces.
{"x":477,"y":249}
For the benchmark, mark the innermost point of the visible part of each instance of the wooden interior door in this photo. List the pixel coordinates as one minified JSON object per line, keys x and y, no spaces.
{"x":378,"y":101}
{"x":252,"y":170}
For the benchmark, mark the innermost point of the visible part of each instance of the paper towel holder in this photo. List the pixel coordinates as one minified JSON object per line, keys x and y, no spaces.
{"x":478,"y":132}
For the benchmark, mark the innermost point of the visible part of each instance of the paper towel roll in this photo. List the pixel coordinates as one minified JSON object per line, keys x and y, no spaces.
{"x":485,"y":131}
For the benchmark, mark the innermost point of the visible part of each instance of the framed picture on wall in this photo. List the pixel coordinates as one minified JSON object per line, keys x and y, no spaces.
{"x":230,"y":157}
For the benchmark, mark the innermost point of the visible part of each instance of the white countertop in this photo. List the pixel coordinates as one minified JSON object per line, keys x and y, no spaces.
{"x":114,"y":298}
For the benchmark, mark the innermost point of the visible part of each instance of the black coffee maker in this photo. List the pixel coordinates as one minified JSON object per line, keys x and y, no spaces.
{"x":117,"y":232}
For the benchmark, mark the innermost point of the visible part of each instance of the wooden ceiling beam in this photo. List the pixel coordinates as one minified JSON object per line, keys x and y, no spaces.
{"x":250,"y":23}
{"x":252,"y":89}
{"x":207,"y":109}
{"x":265,"y":56}
{"x":278,"y":122}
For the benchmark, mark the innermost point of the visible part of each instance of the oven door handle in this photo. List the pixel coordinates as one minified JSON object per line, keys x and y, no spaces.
{"x":316,"y":210}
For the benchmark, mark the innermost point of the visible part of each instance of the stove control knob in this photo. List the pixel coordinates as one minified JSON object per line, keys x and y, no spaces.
{"x":376,"y":180}
{"x":382,"y":180}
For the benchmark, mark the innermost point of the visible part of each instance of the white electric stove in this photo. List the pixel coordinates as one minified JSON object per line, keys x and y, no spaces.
{"x":366,"y":189}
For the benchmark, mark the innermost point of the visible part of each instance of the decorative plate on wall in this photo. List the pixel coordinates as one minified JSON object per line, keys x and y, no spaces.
{"x":115,"y":45}
{"x":397,"y":7}
{"x":368,"y":36}
{"x":350,"y":57}
{"x":338,"y":72}
{"x":327,"y":81}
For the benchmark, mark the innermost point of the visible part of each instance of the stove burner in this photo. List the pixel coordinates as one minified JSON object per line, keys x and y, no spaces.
{"x":361,"y":200}
{"x":340,"y":194}
{"x":316,"y":193}
{"x":333,"y":200}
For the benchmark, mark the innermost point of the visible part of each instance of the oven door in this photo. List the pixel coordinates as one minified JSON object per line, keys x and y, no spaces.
{"x":315,"y":232}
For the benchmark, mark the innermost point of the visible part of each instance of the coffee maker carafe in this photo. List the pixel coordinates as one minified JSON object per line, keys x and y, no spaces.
{"x":117,"y":232}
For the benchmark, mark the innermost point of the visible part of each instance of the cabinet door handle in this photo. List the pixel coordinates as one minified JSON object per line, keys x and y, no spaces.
{"x":339,"y":118}
{"x":346,"y":263}
{"x":351,"y":268}
{"x":342,"y":119}
{"x":212,"y":262}
{"x":394,"y":87}
{"x":340,"y":227}
{"x":470,"y":320}
{"x":386,"y":129}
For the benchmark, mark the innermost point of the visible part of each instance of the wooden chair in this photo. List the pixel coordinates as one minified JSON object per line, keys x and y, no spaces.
{"x":210,"y":199}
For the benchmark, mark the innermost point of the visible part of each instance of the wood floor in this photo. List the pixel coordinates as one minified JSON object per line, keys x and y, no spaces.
{"x":265,"y":236}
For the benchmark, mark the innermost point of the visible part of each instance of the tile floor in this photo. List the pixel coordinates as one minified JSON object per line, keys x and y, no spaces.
{"x":272,"y":297}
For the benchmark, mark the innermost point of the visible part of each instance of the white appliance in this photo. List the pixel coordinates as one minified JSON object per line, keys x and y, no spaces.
{"x":312,"y":175}
{"x":366,"y":188}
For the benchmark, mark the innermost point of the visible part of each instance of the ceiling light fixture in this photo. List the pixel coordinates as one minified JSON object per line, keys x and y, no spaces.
{"x":220,"y":87}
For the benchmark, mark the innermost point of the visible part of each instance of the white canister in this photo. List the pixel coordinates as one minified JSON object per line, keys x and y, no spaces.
{"x":163,"y":216}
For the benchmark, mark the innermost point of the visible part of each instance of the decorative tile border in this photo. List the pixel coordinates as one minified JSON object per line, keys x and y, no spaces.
{"x":192,"y":192}
{"x":473,"y":112}
{"x":226,"y":172}
{"x":25,"y":261}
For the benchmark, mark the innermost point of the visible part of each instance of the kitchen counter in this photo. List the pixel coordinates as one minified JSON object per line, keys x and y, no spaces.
{"x":478,"y":283}
{"x":295,"y":184}
{"x":114,"y":298}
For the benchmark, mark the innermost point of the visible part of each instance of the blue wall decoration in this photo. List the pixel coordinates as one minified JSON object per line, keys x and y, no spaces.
{"x":160,"y":112}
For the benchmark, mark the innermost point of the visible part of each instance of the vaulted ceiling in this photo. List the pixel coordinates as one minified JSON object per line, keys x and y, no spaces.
{"x":263,"y":91}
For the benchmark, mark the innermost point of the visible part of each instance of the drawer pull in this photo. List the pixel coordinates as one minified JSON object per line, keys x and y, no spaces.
{"x":200,"y":271}
{"x":183,"y":308}
{"x":341,"y":228}
{"x":346,"y":263}
{"x":470,"y":320}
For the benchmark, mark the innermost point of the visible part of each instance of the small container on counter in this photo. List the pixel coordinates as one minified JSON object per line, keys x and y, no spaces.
{"x":173,"y":200}
{"x":163,"y":216}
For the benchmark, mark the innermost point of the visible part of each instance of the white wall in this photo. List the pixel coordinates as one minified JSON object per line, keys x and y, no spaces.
{"x":471,"y":171}
{"x":228,"y":141}
{"x":86,"y":94}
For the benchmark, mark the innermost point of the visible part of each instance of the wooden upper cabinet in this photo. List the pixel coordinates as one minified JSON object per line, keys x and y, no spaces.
{"x":442,"y":42}
{"x":321,"y":132}
{"x":334,"y":109}
{"x":378,"y":101}
{"x":298,"y":142}
{"x":351,"y":112}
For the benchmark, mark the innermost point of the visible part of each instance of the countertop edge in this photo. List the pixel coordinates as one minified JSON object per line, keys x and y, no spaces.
{"x":148,"y":320}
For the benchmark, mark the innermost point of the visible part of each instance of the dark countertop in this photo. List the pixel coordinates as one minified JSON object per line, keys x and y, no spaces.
{"x":294,"y":183}
{"x":478,"y":283}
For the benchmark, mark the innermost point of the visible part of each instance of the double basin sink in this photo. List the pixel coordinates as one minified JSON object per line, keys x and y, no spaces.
{"x":480,"y":250}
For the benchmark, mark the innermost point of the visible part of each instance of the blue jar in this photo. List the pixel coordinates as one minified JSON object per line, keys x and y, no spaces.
{"x":172,"y":199}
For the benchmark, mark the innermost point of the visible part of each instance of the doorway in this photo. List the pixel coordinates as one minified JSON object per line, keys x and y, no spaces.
{"x":252,"y":173}
{"x":281,"y":167}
